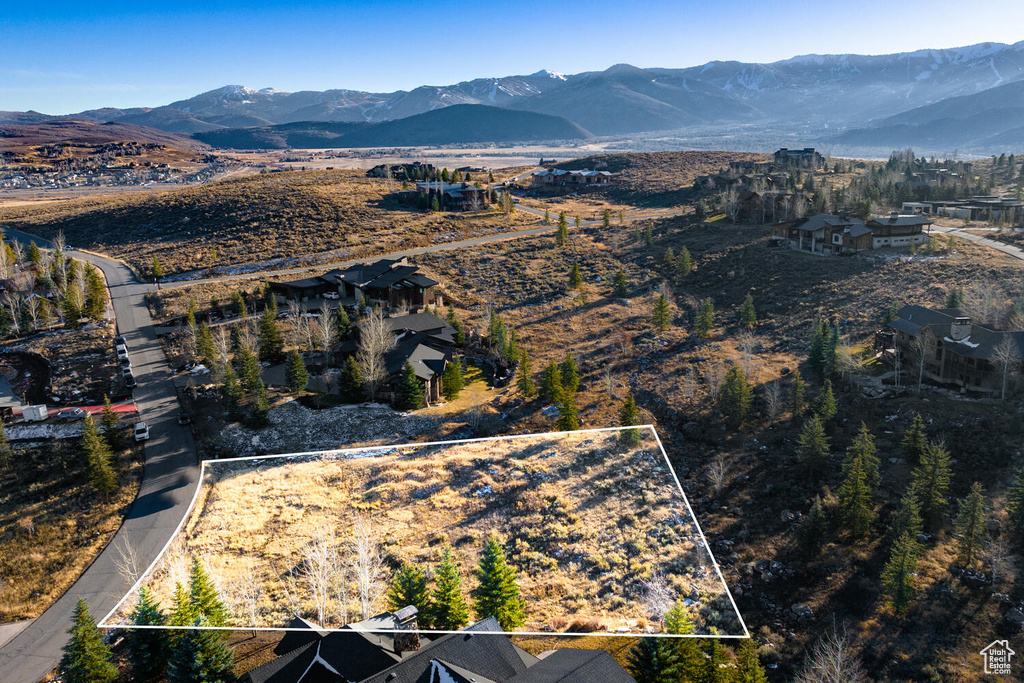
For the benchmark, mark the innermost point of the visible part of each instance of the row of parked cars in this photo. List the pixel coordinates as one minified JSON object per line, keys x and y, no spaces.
{"x":121,"y":347}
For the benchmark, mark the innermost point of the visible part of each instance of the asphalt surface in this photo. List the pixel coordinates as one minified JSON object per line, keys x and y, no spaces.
{"x":169,"y":479}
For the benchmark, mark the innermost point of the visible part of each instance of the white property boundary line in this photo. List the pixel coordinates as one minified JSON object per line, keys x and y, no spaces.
{"x":202,"y":473}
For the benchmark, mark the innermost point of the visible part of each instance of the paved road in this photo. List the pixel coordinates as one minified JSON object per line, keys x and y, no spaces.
{"x":169,"y":479}
{"x":962,"y":234}
{"x":445,"y":246}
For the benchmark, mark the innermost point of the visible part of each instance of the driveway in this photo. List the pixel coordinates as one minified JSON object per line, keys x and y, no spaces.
{"x":169,"y":479}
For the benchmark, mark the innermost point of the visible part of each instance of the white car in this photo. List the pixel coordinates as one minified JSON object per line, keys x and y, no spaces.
{"x":332,"y":295}
{"x":122,"y":351}
{"x":141,"y":431}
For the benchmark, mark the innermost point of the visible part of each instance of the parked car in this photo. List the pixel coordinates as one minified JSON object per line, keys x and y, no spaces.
{"x":122,"y":351}
{"x":141,"y":431}
{"x":184,"y":419}
{"x":70,"y":414}
{"x":129,"y":380}
{"x":126,"y":364}
{"x":332,"y":295}
{"x":120,"y":341}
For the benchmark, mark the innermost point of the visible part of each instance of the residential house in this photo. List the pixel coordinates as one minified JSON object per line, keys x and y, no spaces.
{"x":994,"y":209}
{"x":950,"y":349}
{"x":556,"y":177}
{"x":843,"y":234}
{"x":385,"y":649}
{"x":389,"y":282}
{"x":413,"y":171}
{"x":799,"y":158}
{"x":456,"y":196}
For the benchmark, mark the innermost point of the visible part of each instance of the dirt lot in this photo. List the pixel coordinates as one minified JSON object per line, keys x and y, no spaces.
{"x":584,"y":552}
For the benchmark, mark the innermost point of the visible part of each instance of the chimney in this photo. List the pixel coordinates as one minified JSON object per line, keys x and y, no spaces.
{"x":894,"y":216}
{"x":960,"y":329}
{"x":407,"y":637}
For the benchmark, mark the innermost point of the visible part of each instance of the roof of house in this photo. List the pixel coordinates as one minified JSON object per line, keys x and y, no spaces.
{"x":481,"y":656}
{"x":426,"y":361}
{"x":821,"y":220}
{"x":902,"y":219}
{"x":980,"y":343}
{"x":572,"y":665}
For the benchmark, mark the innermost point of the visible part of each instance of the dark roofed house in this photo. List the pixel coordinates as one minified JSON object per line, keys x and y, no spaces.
{"x":826,"y":233}
{"x":956,"y":351}
{"x":479,"y":653}
{"x":389,"y":282}
{"x":807,"y":157}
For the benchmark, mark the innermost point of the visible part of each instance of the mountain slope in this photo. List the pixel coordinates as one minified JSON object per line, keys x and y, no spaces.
{"x":457,"y":124}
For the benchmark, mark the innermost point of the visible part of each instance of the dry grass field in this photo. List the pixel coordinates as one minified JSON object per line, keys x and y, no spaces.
{"x":586,"y":521}
{"x":53,"y":524}
{"x":251,"y":220}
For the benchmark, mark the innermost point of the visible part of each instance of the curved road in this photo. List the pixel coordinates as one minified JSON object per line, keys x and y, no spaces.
{"x":169,"y":479}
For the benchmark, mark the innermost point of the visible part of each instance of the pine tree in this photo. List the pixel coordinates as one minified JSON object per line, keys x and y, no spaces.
{"x":295,"y":374}
{"x":35,"y":256}
{"x":629,"y":416}
{"x":575,"y":277}
{"x":863,"y":447}
{"x":239,"y":301}
{"x":183,"y":613}
{"x":250,"y":370}
{"x":748,"y":315}
{"x":111,"y":428}
{"x":955,"y":298}
{"x":231,"y":391}
{"x":736,"y":396}
{"x":453,"y":320}
{"x":825,"y":407}
{"x":662,"y":315}
{"x":497,"y":594}
{"x":855,"y":509}
{"x":684,"y":264}
{"x":891,"y":313}
{"x":201,"y":655}
{"x":620,"y":288}
{"x":907,"y":519}
{"x":814,"y":528}
{"x":260,"y":415}
{"x":700,"y":211}
{"x":715,"y":661}
{"x":450,"y":611}
{"x":345,"y":324}
{"x":606,"y":218}
{"x":648,"y":661}
{"x":648,"y":235}
{"x":98,"y":457}
{"x":669,"y":258}
{"x":898,"y":575}
{"x":525,"y":381}
{"x":914,"y":440}
{"x":677,"y":620}
{"x":96,"y":295}
{"x":409,"y":392}
{"x":1015,"y":506}
{"x":409,"y":587}
{"x":748,"y":664}
{"x":269,"y":337}
{"x":931,"y":481}
{"x":569,"y":373}
{"x":969,"y":526}
{"x":551,"y":383}
{"x":796,"y":394}
{"x":350,"y":380}
{"x":148,"y":648}
{"x":813,"y":445}
{"x":205,"y":348}
{"x":157,"y":270}
{"x":562,"y":233}
{"x":204,"y":597}
{"x":452,"y":381}
{"x":87,"y":658}
{"x":705,"y":318}
{"x":568,"y":416}
{"x":816,"y":355}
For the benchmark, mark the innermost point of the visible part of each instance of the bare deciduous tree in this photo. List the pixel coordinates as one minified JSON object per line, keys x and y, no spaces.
{"x":832,"y":660}
{"x":714,"y":374}
{"x":248,"y":593}
{"x":369,"y":565}
{"x":773,"y":399}
{"x":222,"y":340}
{"x":658,"y":597}
{"x":920,"y":347}
{"x":319,"y":563}
{"x":1006,"y":358}
{"x":375,"y":340}
{"x":981,"y":302}
{"x":717,"y":471}
{"x":747,"y":342}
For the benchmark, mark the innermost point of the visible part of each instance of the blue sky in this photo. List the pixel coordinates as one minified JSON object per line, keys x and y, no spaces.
{"x":62,"y":57}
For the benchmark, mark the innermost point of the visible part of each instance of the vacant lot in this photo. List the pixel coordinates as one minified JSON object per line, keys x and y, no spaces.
{"x":587,"y":522}
{"x":253,"y":219}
